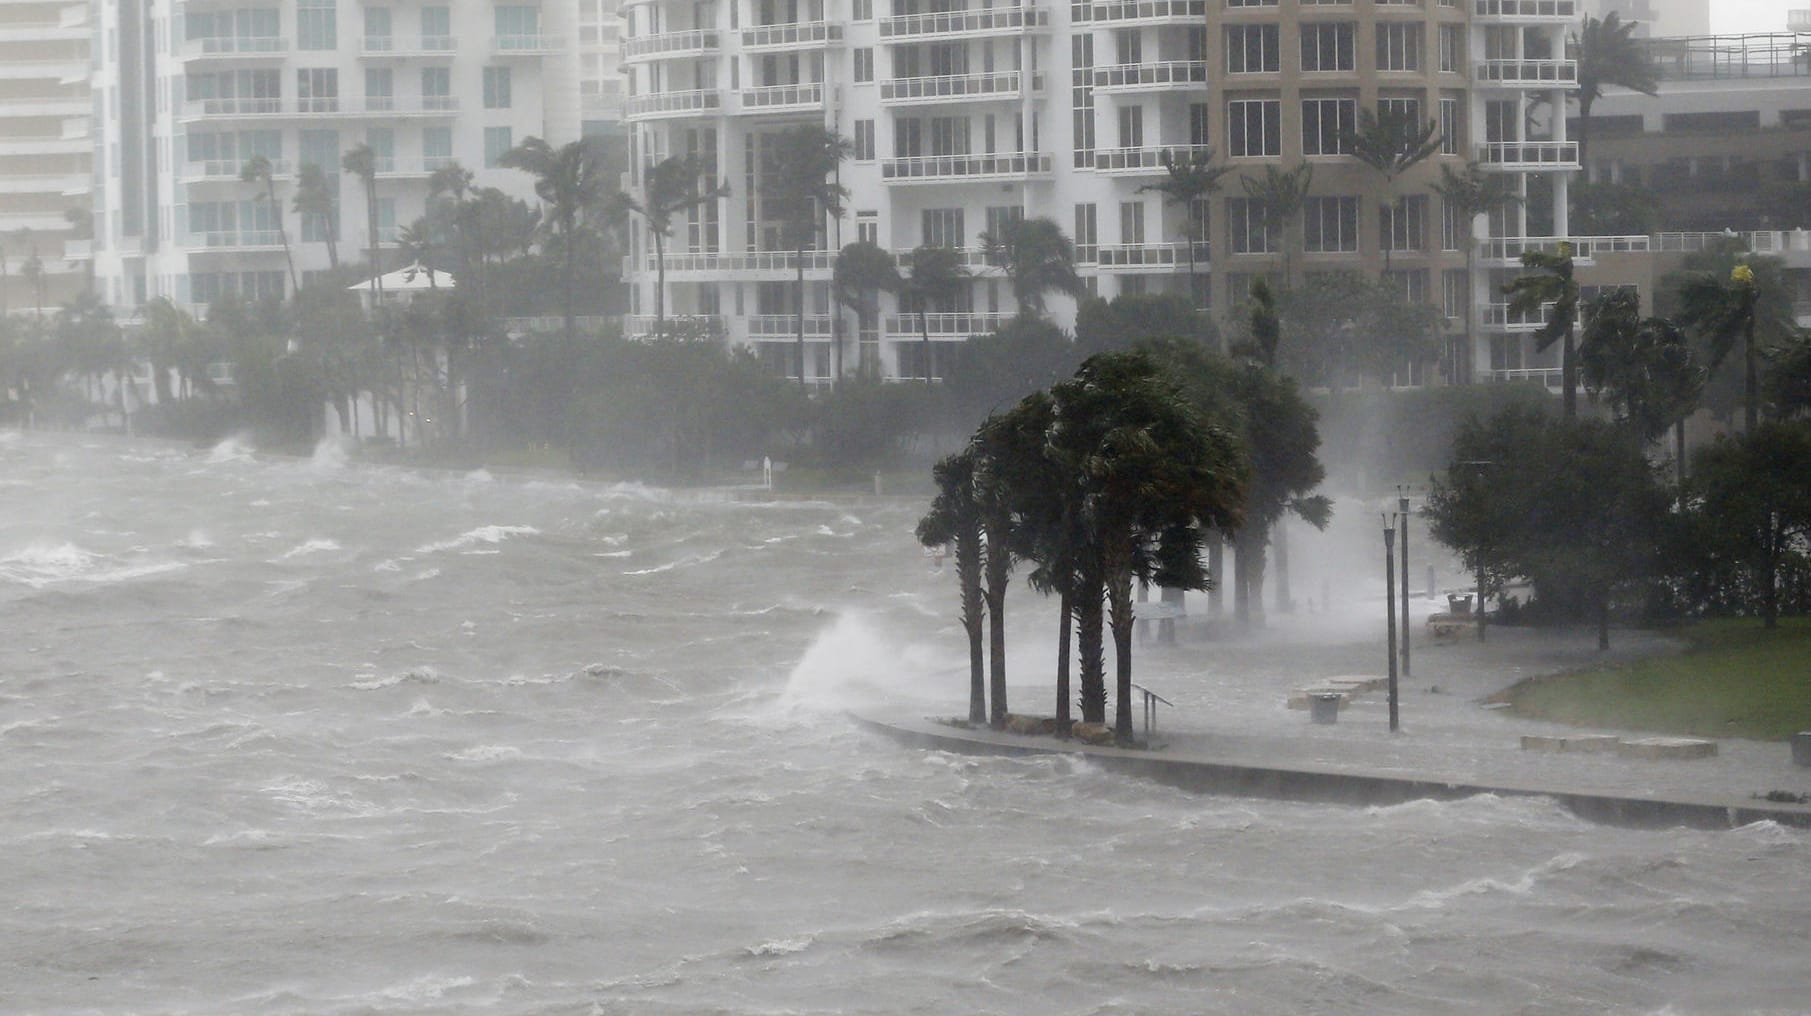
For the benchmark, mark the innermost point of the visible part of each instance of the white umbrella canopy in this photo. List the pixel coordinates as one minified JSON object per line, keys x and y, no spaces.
{"x":408,"y":279}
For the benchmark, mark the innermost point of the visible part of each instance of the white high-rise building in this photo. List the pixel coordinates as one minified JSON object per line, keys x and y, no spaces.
{"x":964,"y":114}
{"x":45,"y":148}
{"x":187,"y":92}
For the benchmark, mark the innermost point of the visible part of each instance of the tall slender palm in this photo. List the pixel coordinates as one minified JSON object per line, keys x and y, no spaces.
{"x":570,"y":182}
{"x":669,"y":187}
{"x":315,"y":196}
{"x":362,"y":163}
{"x":1037,"y":259}
{"x":1548,"y":279}
{"x":258,"y":170}
{"x":1391,"y":145}
{"x":1608,"y":55}
{"x":1280,"y":194}
{"x":1189,"y":182}
{"x":936,"y":275}
{"x":799,"y":186}
{"x":32,"y":271}
{"x":1643,"y":367}
{"x":955,"y":520}
{"x":863,"y":271}
{"x":1723,"y":312}
{"x":81,"y":224}
{"x":1469,"y":194}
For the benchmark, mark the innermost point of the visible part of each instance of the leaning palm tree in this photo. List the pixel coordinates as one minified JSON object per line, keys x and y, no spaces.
{"x":1722,"y":312}
{"x":1280,"y":195}
{"x":1469,"y":194}
{"x":1608,"y":54}
{"x":955,"y":520}
{"x":1643,"y":369}
{"x":362,"y":163}
{"x":1391,"y":145}
{"x":315,"y":196}
{"x":936,"y":276}
{"x":570,"y":181}
{"x":1190,"y":182}
{"x":669,"y":187}
{"x":258,"y":170}
{"x":799,"y":186}
{"x":1037,"y":259}
{"x":862,"y":272}
{"x":1549,"y":280}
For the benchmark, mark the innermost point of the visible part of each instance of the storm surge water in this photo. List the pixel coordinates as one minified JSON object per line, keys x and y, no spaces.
{"x":315,"y":737}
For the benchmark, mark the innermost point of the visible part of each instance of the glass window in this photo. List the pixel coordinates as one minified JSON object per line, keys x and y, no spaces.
{"x":1251,"y":49}
{"x":1398,"y":46}
{"x":436,"y":28}
{"x":864,"y":141}
{"x":943,"y":227}
{"x":864,"y":64}
{"x":1330,"y":224}
{"x":1327,"y":46}
{"x":318,"y":89}
{"x":1245,"y":223}
{"x":518,"y":27}
{"x":436,"y":147}
{"x":377,"y":29}
{"x":1326,"y":123}
{"x":1131,"y":222}
{"x":1403,"y":226}
{"x":1253,"y":127}
{"x":316,"y":25}
{"x":497,"y":140}
{"x":1087,"y":235}
{"x":1449,"y":127}
{"x":1452,"y":49}
{"x":496,"y":88}
{"x":436,"y":82}
{"x":380,"y":88}
{"x":1131,"y":126}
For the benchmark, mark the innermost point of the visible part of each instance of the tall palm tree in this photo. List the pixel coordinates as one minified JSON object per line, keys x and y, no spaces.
{"x":1549,"y":280}
{"x":571,"y":184}
{"x":1722,"y":312}
{"x":1643,"y":367}
{"x":1608,"y":55}
{"x":1469,"y":194}
{"x":1037,"y":259}
{"x":81,"y":224}
{"x":258,"y":170}
{"x":1391,"y":145}
{"x":362,"y":163}
{"x":315,"y":196}
{"x":800,"y":188}
{"x":936,"y":275}
{"x":863,"y":270}
{"x":32,"y":270}
{"x":669,"y":187}
{"x":1280,"y":194}
{"x":955,"y":520}
{"x":1189,"y":182}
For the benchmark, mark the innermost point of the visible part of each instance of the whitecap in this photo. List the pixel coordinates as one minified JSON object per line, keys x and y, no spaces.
{"x":782,"y":946}
{"x":316,"y":545}
{"x":232,"y":449}
{"x":486,"y":753}
{"x":482,"y":534}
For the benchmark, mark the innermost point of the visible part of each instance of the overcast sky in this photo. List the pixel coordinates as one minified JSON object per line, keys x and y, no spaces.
{"x":1732,"y":16}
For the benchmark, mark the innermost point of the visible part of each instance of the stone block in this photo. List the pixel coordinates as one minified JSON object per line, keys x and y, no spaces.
{"x":1016,"y":724}
{"x":1667,"y":748}
{"x":1801,"y":748}
{"x":1594,"y":744}
{"x":1543,"y":742}
{"x":1303,"y":698}
{"x":1092,"y":733}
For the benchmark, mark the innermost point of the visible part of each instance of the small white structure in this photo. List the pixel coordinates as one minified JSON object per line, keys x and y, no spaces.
{"x":403,"y":285}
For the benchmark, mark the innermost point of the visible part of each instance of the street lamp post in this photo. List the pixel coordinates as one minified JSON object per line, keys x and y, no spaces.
{"x":1389,"y":599}
{"x":1402,"y":509}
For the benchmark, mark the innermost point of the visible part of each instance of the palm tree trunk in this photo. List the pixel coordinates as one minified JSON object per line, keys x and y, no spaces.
{"x":924,"y":329}
{"x":276,"y":211}
{"x":798,"y":262}
{"x":1679,"y":451}
{"x":1462,"y":363}
{"x":1216,"y":573}
{"x":1090,"y":628}
{"x":996,"y":649}
{"x":1279,"y":539}
{"x":1569,"y":377}
{"x":1750,"y":377}
{"x":1770,"y":579}
{"x":1066,"y":608}
{"x":1603,"y":621}
{"x":660,"y":284}
{"x":571,"y":274}
{"x":1119,"y":606}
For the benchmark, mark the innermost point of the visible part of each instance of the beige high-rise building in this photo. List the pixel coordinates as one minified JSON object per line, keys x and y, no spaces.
{"x":964,"y":115}
{"x":45,"y":151}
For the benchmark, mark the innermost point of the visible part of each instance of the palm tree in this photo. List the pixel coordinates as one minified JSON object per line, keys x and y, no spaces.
{"x":315,"y":196}
{"x":1721,"y":312}
{"x":1281,"y":194}
{"x":32,"y":271}
{"x":168,"y":333}
{"x":1189,"y":182}
{"x":1391,"y":145}
{"x":1548,"y":280}
{"x":1608,"y":55}
{"x":936,"y":276}
{"x":81,"y":223}
{"x":1643,"y":367}
{"x":863,"y":270}
{"x":799,"y":185}
{"x":671,"y":186}
{"x":1469,"y":194}
{"x":570,"y":183}
{"x":257,"y":169}
{"x":955,"y":519}
{"x":1037,"y":258}
{"x":362,"y":163}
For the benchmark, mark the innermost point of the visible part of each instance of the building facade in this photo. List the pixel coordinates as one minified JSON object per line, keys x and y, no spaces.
{"x":45,"y":152}
{"x":963,"y":116}
{"x":187,"y":93}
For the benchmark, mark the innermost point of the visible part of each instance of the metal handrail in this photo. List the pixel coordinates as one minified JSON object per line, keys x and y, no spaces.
{"x":1151,"y":699}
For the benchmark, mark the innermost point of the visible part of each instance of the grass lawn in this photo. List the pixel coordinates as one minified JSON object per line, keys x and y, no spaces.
{"x":1735,"y":679}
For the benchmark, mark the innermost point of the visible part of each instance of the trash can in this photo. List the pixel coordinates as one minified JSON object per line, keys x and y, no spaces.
{"x":1801,"y":748}
{"x":1323,"y":707}
{"x":1458,"y":605}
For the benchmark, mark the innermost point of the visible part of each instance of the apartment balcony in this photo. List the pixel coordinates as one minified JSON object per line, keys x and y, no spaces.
{"x":945,"y":326}
{"x":1152,"y":77}
{"x":227,"y":171}
{"x":235,"y":47}
{"x":672,"y":105}
{"x":800,"y":35}
{"x":1523,"y":12}
{"x":1499,"y":318}
{"x":965,"y":168}
{"x":1135,"y":13}
{"x":78,"y":250}
{"x":761,"y":265}
{"x":944,"y":25}
{"x":642,"y":326}
{"x":404,"y":169}
{"x":1506,"y":252}
{"x":522,"y":45}
{"x":1528,"y":156}
{"x":1526,"y":73}
{"x":672,"y":46}
{"x":1001,"y":85}
{"x":770,"y":99}
{"x":391,"y":47}
{"x":428,"y":106}
{"x":1150,"y":257}
{"x":48,"y":106}
{"x":1145,"y":161}
{"x":972,"y":258}
{"x":786,"y":326}
{"x":233,"y":240}
{"x":61,"y":184}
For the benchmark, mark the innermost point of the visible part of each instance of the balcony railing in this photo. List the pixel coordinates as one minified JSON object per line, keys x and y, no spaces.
{"x":1145,"y":160}
{"x":776,"y":98}
{"x":968,"y":257}
{"x":1529,"y":155}
{"x":643,"y":325}
{"x":1527,"y":72}
{"x":521,"y":44}
{"x":1127,"y":77}
{"x":1151,"y":12}
{"x":783,"y":325}
{"x":1552,"y":377}
{"x":696,"y":42}
{"x":747,"y":261}
{"x":937,"y":87}
{"x":1511,"y":248}
{"x":1165,"y":256}
{"x":227,"y":169}
{"x":696,"y":100}
{"x":397,"y":46}
{"x":1499,"y":317}
{"x":1526,"y":10}
{"x":805,"y":33}
{"x":945,"y":24}
{"x":235,"y":45}
{"x":931,"y":168}
{"x":233,"y":239}
{"x":963,"y":323}
{"x":316,"y":106}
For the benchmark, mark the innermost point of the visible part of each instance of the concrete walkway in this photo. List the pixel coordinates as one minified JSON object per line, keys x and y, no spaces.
{"x":1230,"y":730}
